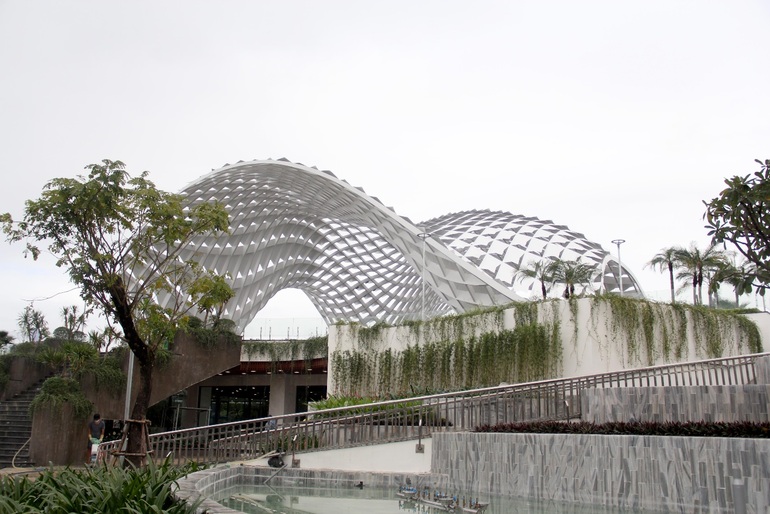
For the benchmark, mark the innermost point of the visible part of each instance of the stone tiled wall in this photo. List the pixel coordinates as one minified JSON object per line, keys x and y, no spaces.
{"x":211,"y":484}
{"x":677,"y":474}
{"x":687,"y":403}
{"x":762,"y":369}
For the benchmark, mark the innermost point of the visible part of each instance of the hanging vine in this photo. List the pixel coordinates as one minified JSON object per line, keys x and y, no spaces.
{"x":663,"y":328}
{"x":282,"y":351}
{"x":529,"y":352}
{"x":474,"y":350}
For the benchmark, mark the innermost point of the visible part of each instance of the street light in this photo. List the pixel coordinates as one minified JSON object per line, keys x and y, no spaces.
{"x":423,"y":236}
{"x":619,"y":242}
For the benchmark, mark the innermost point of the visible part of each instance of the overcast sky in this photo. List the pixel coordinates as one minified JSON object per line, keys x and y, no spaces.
{"x":614,"y":118}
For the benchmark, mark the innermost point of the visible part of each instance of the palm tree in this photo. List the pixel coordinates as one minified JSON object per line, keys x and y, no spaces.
{"x":34,"y":327}
{"x":741,"y":277}
{"x":571,"y":273}
{"x":666,"y":259}
{"x":693,"y":262}
{"x":541,"y":271}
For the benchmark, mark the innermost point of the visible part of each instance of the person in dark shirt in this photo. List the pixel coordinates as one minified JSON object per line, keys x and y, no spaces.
{"x":95,"y":433}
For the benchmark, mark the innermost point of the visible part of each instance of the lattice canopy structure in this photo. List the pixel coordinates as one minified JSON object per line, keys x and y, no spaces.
{"x":294,"y":226}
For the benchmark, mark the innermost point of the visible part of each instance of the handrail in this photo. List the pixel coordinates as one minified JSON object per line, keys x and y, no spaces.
{"x":395,"y":420}
{"x":13,"y":461}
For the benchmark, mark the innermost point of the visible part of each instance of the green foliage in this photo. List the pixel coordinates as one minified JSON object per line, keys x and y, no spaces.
{"x":283,"y":351}
{"x":664,"y":428}
{"x":693,"y":262}
{"x":399,"y":413}
{"x":740,"y":215}
{"x":6,"y":339}
{"x":335,"y":401}
{"x":57,"y":391}
{"x":222,"y":330}
{"x":123,"y":243}
{"x":97,"y":490}
{"x":368,"y":335}
{"x":473,"y":350}
{"x":541,"y":271}
{"x":571,"y":273}
{"x":33,"y":326}
{"x":108,"y":374}
{"x":452,"y":326}
{"x":214,"y":293}
{"x":665,"y":260}
{"x":528,"y":352}
{"x":76,"y":360}
{"x":654,"y":331}
{"x":286,"y":443}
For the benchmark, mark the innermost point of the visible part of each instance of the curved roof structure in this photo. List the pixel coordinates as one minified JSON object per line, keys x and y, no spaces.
{"x":294,"y":226}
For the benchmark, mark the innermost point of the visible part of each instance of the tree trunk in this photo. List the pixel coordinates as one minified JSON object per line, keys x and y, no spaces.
{"x":695,"y":289}
{"x":671,"y":281}
{"x":146,"y":358}
{"x":136,"y":439}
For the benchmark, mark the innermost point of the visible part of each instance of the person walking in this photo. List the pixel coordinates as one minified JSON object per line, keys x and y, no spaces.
{"x":95,"y":435}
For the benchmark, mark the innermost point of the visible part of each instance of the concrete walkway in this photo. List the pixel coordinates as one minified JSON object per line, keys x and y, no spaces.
{"x":398,"y":457}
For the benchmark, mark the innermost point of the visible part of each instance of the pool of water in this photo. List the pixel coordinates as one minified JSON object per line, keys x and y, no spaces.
{"x":352,"y":500}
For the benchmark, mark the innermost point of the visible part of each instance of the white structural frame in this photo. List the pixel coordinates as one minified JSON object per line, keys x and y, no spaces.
{"x":294,"y":226}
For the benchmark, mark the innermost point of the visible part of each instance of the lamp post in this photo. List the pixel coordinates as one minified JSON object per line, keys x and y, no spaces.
{"x":619,"y":242}
{"x":423,"y":236}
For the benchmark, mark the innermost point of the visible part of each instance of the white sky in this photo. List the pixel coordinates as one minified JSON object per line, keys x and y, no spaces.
{"x":616,"y":119}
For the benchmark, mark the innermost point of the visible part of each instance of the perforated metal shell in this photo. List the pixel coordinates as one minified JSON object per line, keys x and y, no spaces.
{"x":293,"y":226}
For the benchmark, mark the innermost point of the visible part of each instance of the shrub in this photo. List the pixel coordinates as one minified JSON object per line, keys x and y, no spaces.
{"x":56,"y":391}
{"x":747,"y":429}
{"x":97,"y":490}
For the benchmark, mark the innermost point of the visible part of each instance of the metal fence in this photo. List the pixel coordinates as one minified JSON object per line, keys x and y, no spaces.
{"x":411,"y":418}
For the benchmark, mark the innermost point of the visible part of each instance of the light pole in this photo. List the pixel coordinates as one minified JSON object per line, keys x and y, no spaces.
{"x":619,"y":242}
{"x":423,"y":236}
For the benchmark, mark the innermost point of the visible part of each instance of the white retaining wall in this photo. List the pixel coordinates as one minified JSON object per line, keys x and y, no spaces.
{"x":590,"y":345}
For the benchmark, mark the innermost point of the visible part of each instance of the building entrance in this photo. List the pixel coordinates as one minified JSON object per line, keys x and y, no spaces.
{"x":232,"y":403}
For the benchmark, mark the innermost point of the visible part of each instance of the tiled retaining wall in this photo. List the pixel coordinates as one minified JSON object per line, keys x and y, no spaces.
{"x":677,"y":474}
{"x":762,"y":369}
{"x":686,"y":403}
{"x":208,"y":484}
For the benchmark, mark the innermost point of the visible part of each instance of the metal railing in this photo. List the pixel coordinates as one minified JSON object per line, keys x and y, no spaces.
{"x":411,"y":418}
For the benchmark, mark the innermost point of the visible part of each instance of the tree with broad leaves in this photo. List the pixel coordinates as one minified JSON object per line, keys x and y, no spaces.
{"x":741,"y":215}
{"x":6,"y":339}
{"x":120,"y":240}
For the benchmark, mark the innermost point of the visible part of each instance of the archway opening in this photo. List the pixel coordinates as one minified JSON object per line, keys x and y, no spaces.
{"x":288,"y":315}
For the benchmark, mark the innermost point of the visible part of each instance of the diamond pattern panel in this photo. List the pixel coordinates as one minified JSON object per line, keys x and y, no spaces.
{"x":293,"y":226}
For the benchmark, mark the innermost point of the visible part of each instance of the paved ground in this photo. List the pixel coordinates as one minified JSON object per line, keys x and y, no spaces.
{"x":389,"y":458}
{"x":20,"y":472}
